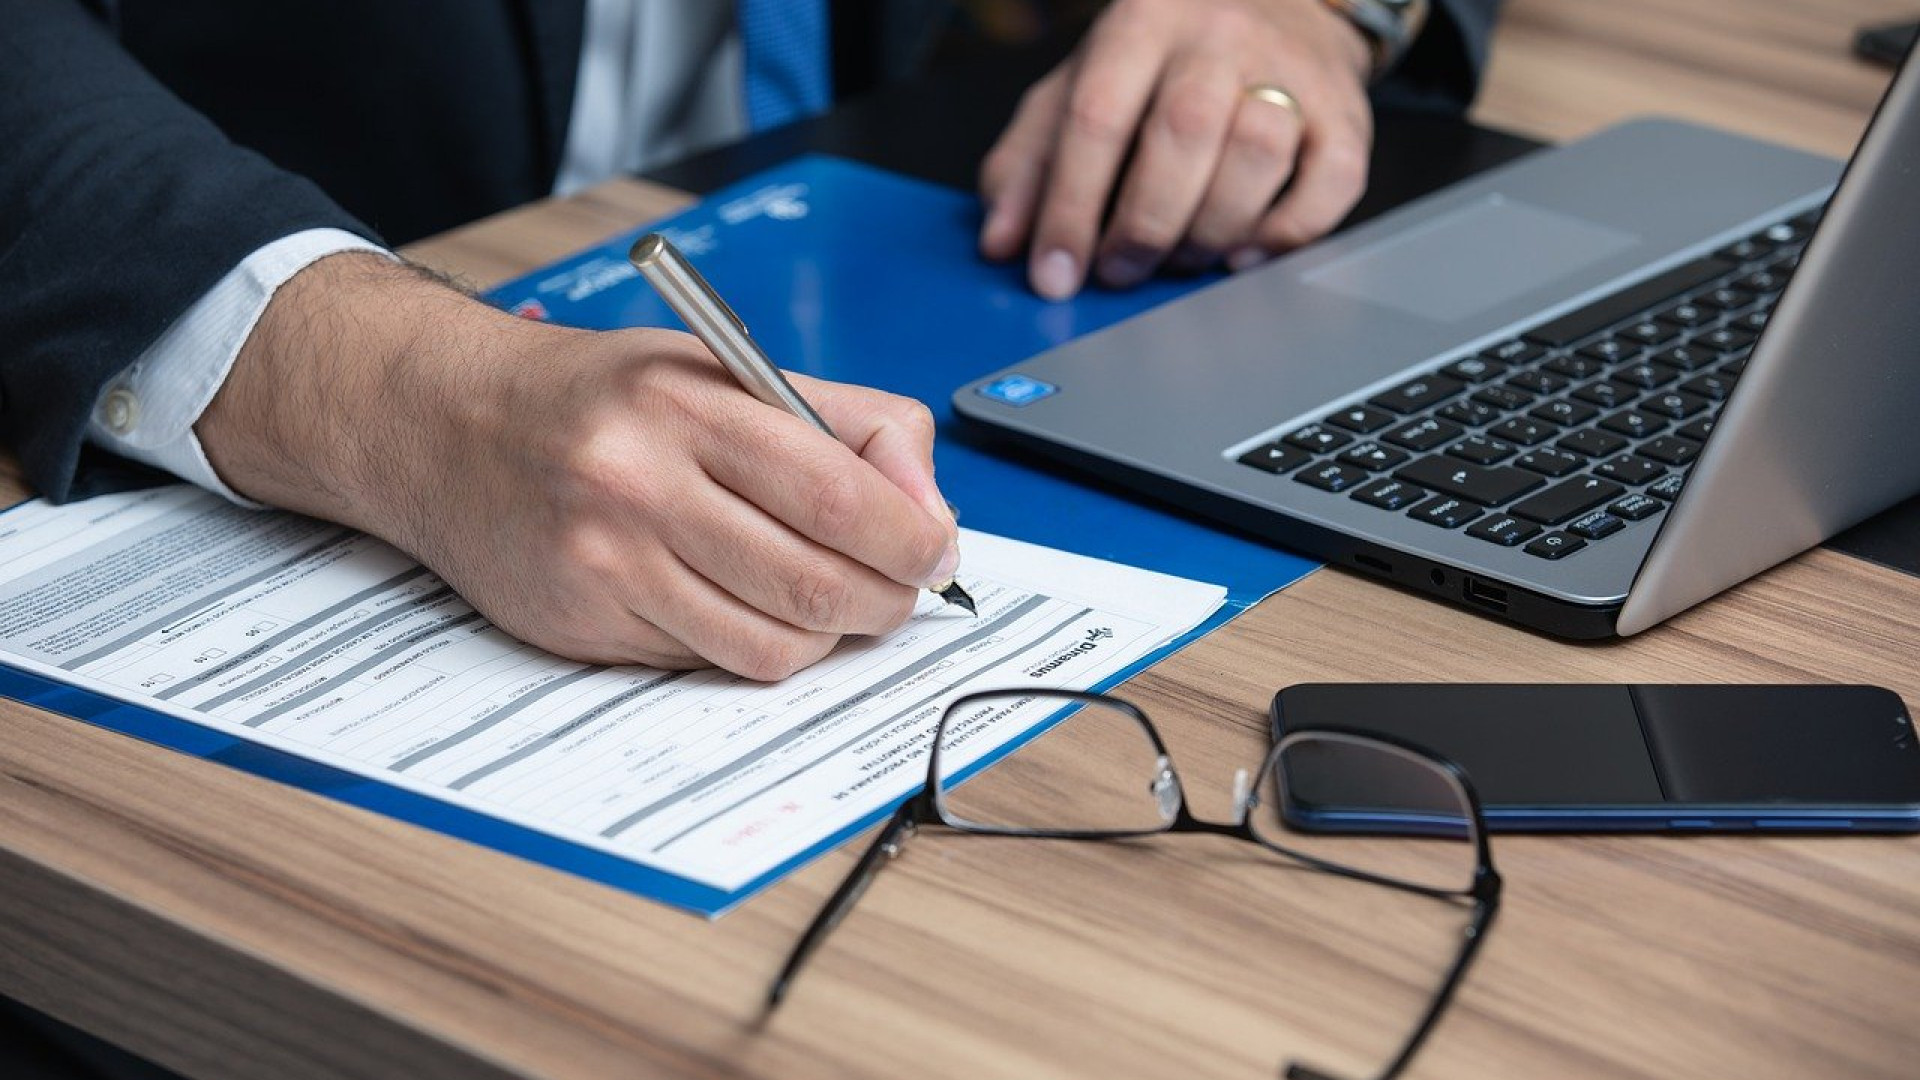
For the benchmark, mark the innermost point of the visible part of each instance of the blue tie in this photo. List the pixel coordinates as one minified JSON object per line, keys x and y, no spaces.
{"x":786,"y":60}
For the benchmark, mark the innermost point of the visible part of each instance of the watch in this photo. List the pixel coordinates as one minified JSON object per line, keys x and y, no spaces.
{"x":1390,"y":27}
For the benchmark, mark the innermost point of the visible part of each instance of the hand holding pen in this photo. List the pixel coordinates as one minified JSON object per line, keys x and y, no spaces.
{"x":716,"y":325}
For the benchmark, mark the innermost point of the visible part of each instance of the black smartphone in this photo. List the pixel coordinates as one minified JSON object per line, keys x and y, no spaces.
{"x":1886,"y":43}
{"x":1602,"y":758}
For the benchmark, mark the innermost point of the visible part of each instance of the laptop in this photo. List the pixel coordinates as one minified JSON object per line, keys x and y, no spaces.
{"x":1583,"y":391}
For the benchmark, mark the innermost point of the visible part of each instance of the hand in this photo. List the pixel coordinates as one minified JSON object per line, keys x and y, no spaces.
{"x":613,"y":497}
{"x":1167,"y":81}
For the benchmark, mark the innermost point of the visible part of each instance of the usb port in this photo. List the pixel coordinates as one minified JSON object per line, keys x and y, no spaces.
{"x":1492,"y":597}
{"x":1377,"y":565}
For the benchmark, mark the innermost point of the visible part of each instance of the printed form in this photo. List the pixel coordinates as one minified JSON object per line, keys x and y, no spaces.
{"x":334,"y":646}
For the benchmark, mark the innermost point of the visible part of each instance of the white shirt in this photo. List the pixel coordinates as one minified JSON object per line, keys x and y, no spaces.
{"x":658,"y":79}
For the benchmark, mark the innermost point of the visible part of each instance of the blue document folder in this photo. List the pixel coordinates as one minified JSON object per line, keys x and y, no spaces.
{"x":847,"y":272}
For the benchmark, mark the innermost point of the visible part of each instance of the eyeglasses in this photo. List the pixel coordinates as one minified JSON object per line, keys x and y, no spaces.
{"x":1357,"y":806}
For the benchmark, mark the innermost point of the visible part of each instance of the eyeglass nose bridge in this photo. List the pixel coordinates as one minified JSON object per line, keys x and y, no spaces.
{"x":1166,"y":788}
{"x":1244,"y":797}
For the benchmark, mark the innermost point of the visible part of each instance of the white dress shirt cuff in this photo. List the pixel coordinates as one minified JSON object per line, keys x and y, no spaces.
{"x":148,"y":411}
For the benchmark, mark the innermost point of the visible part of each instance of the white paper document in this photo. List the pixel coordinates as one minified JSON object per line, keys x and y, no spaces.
{"x":334,"y":646}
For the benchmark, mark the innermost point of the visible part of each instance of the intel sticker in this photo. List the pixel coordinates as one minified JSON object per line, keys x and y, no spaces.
{"x":1017,"y":390}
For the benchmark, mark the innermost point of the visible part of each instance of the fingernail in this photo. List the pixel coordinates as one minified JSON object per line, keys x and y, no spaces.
{"x":949,"y":563}
{"x":1055,"y":275}
{"x":1125,"y":270}
{"x":1245,"y":258}
{"x":1188,"y":259}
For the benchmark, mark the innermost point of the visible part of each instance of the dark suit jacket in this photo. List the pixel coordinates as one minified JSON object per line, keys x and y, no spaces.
{"x":147,"y":146}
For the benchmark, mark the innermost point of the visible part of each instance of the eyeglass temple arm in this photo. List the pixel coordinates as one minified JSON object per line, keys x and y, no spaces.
{"x":1487,"y":905}
{"x":885,"y":846}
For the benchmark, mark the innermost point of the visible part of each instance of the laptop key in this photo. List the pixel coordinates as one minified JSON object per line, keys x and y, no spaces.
{"x":1470,"y":413}
{"x":1482,"y":450}
{"x":1650,"y":333}
{"x":1555,"y":545}
{"x":1318,"y":439}
{"x":1331,"y":476}
{"x":1764,"y":282}
{"x":1611,"y":350}
{"x":1517,"y":351}
{"x":1669,"y":450}
{"x":1373,"y":457}
{"x":1724,"y":298}
{"x":1486,"y":485}
{"x":1574,"y":367}
{"x":1667,"y":487}
{"x":1275,"y":457}
{"x":1567,"y":500}
{"x":1549,"y":462}
{"x":1698,"y":430}
{"x":1474,"y":369}
{"x":1503,"y":397}
{"x":1687,"y":315}
{"x":1417,"y":394}
{"x":1423,"y":434}
{"x":1712,"y":385}
{"x":1674,"y":404}
{"x":1595,"y":524}
{"x":1684,"y":357}
{"x":1563,"y":412}
{"x":1787,"y":232}
{"x":1503,"y":529}
{"x":1606,"y":393}
{"x":1539,"y":382}
{"x":1633,"y":424}
{"x":1592,"y":442}
{"x":1445,"y":511}
{"x":1646,"y":376}
{"x":1360,"y":418}
{"x":1754,"y":321}
{"x":1636,"y":507}
{"x":1524,"y":431}
{"x":1748,"y":250}
{"x":1726,"y":339}
{"x":1628,"y":302}
{"x":1629,"y":469}
{"x":1389,"y":494}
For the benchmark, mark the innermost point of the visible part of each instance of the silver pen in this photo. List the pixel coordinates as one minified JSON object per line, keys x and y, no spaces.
{"x":721,"y":331}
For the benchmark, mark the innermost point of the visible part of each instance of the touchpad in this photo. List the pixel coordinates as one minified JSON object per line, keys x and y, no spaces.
{"x":1470,"y":258}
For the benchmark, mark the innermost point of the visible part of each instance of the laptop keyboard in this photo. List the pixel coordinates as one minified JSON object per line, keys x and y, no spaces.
{"x":1558,"y":438}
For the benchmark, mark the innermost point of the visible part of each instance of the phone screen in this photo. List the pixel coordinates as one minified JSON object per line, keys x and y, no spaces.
{"x":1658,"y":747}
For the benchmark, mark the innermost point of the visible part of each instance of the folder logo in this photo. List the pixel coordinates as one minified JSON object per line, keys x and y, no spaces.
{"x":1017,"y":390}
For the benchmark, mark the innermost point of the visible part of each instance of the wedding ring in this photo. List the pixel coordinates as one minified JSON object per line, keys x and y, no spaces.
{"x":1274,"y":95}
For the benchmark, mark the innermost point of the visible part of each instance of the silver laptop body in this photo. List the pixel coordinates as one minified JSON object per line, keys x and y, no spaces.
{"x":1823,"y":428}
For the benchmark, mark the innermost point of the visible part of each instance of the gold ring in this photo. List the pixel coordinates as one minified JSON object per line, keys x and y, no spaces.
{"x":1274,"y":95}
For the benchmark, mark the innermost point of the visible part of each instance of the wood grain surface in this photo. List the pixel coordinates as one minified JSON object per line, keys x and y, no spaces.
{"x":227,"y":926}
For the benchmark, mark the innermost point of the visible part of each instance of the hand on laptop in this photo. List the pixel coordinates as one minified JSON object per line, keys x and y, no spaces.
{"x":613,"y":497}
{"x":1156,"y":114}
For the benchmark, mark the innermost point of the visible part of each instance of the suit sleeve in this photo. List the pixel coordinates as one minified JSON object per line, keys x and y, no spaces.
{"x":119,"y":207}
{"x":1442,"y":71}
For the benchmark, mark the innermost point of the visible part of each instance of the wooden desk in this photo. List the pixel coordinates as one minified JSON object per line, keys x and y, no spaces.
{"x":226,"y":926}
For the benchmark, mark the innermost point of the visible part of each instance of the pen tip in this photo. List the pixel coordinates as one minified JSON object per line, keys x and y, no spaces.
{"x":953,"y":594}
